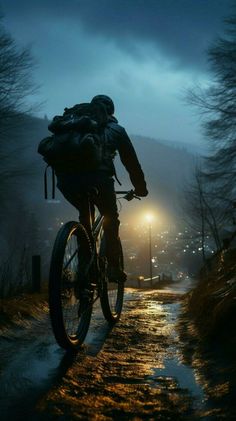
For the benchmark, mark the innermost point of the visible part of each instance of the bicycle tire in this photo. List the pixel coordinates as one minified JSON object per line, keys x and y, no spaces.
{"x":112,"y":295}
{"x":65,"y":286}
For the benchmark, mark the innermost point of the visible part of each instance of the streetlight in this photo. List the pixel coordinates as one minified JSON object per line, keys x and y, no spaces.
{"x":149,"y":218}
{"x":140,"y":279}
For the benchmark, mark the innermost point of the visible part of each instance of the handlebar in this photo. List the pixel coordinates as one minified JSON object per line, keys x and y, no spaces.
{"x":128,"y":195}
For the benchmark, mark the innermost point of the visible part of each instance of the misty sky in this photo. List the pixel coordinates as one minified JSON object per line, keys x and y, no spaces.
{"x":143,"y":53}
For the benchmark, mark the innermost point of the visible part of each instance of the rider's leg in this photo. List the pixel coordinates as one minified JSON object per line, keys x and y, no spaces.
{"x":80,"y":202}
{"x":72,"y":187}
{"x":106,"y":203}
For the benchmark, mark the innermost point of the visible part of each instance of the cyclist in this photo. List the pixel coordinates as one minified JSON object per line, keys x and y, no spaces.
{"x":74,"y":185}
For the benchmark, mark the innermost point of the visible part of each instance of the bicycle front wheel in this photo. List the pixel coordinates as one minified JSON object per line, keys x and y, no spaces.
{"x":70,"y":315}
{"x":112,"y":294}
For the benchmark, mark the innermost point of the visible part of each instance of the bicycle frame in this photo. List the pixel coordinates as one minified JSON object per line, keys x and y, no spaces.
{"x":94,"y":224}
{"x":71,"y":293}
{"x":94,"y":229}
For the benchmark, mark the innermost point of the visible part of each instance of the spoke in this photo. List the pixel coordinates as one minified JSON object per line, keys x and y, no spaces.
{"x":70,"y":302}
{"x":71,"y":258}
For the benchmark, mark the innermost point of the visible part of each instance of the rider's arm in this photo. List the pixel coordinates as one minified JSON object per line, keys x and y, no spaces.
{"x":130,"y":161}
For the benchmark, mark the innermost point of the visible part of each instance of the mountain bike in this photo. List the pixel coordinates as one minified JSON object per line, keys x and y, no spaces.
{"x":78,"y":278}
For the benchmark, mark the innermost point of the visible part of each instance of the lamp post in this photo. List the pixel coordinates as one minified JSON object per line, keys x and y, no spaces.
{"x":149,"y":219}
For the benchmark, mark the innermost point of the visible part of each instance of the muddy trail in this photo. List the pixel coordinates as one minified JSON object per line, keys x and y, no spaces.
{"x":136,"y":370}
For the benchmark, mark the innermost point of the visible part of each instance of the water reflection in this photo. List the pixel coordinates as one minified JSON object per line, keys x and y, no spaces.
{"x":214,"y":368}
{"x":184,"y":376}
{"x":172,"y":367}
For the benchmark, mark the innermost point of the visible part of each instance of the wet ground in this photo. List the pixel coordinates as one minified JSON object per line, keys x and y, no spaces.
{"x":144,"y":368}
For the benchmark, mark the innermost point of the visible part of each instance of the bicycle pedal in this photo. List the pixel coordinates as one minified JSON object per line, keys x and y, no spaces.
{"x":93,"y":285}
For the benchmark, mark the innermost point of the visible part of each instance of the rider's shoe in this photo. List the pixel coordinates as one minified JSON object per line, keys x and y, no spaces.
{"x":115,"y":274}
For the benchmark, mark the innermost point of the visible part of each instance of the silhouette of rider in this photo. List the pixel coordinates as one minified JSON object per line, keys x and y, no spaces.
{"x":73,"y":185}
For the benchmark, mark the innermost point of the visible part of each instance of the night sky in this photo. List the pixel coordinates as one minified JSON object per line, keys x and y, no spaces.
{"x":143,"y":53}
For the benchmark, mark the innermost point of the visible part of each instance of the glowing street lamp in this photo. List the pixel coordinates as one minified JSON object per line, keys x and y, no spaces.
{"x":149,"y":218}
{"x":140,"y":279}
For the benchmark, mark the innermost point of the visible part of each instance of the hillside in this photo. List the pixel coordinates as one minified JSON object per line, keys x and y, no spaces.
{"x":212,"y":304}
{"x":167,"y":169}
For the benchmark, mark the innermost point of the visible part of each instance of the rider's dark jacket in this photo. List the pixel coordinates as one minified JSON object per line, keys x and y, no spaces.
{"x":116,"y":139}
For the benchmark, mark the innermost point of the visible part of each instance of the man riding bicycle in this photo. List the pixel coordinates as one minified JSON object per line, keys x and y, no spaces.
{"x":73,"y":185}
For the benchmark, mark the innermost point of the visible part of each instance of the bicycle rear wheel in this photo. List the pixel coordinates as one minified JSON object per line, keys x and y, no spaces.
{"x":70,"y":314}
{"x":112,"y":293}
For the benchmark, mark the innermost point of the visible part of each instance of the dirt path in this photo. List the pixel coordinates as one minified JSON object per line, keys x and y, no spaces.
{"x":135,"y":375}
{"x":141,"y":369}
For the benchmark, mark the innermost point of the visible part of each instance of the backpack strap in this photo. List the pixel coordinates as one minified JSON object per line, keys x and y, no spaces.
{"x":115,"y":175}
{"x":104,"y":146}
{"x":53,"y":183}
{"x":46,"y":182}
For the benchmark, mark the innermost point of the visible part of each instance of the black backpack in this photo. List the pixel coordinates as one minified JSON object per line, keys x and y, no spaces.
{"x":77,"y":141}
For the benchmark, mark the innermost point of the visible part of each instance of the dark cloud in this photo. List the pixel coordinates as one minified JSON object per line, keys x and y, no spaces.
{"x":179,"y":29}
{"x":123,"y":48}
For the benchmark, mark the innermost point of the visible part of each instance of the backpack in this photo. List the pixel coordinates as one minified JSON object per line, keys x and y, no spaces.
{"x":77,"y":141}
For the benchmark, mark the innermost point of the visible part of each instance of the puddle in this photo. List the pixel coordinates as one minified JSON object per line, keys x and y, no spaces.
{"x":183,"y":375}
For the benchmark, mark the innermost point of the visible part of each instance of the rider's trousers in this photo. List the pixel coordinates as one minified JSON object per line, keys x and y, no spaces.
{"x":75,"y":187}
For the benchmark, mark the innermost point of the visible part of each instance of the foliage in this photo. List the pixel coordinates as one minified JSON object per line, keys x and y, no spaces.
{"x":15,"y":79}
{"x":16,"y":85}
{"x":217,"y":105}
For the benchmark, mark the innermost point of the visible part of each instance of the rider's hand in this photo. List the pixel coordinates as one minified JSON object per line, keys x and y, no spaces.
{"x":141,"y":192}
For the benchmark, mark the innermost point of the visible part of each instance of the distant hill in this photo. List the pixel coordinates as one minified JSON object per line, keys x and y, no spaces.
{"x":167,"y":169}
{"x":193,"y":148}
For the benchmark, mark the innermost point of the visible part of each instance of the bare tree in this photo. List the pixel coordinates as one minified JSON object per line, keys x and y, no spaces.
{"x":16,"y":85}
{"x":16,"y":82}
{"x":206,"y":213}
{"x":217,"y":105}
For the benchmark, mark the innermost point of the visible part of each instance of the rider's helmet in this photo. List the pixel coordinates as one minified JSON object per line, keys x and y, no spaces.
{"x":107,"y":101}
